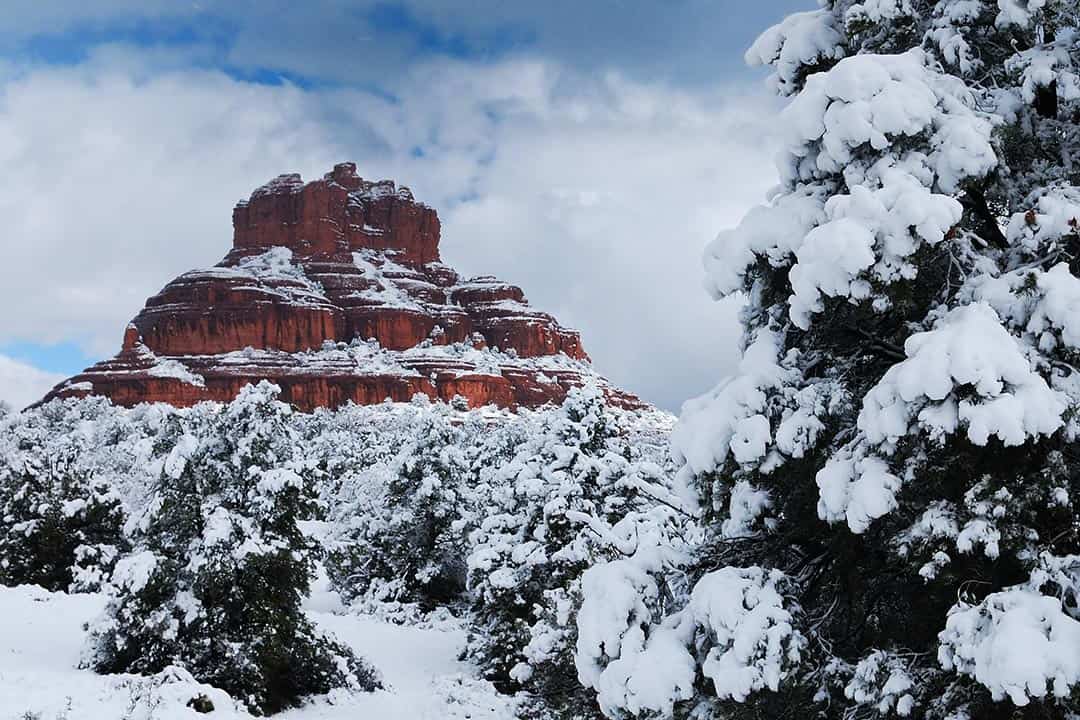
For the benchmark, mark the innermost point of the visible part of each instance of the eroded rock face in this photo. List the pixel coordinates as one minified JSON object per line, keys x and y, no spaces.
{"x":334,"y":290}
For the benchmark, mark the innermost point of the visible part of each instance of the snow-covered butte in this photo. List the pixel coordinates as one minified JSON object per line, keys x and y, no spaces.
{"x":334,"y":290}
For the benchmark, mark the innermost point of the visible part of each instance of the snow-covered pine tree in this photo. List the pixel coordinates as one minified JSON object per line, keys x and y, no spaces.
{"x":405,"y":541}
{"x":890,"y":478}
{"x":60,"y":528}
{"x":221,"y":567}
{"x":572,"y":496}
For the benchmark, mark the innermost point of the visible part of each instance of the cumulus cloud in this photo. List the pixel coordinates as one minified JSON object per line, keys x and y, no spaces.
{"x":595,"y":193}
{"x":21,"y":384}
{"x":117,"y":182}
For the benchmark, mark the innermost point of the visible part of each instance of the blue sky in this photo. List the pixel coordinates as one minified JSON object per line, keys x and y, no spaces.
{"x":541,"y":131}
{"x":683,"y":41}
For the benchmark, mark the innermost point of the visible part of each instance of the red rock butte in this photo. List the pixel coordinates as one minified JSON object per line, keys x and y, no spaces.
{"x":334,"y":290}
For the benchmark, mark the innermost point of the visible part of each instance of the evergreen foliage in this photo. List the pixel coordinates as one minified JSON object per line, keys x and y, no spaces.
{"x":229,"y":507}
{"x":888,"y":481}
{"x":221,"y":566}
{"x":573,"y":495}
{"x":404,"y":541}
{"x":59,"y":527}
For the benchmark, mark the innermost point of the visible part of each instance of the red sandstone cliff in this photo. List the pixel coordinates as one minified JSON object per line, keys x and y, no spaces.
{"x":334,"y":290}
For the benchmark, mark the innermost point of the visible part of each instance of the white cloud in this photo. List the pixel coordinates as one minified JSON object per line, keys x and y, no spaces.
{"x":596,"y":194}
{"x":117,"y":183}
{"x":21,"y":384}
{"x":598,"y":201}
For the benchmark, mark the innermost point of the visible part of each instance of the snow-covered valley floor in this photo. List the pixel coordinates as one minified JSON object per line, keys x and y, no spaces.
{"x":42,"y":637}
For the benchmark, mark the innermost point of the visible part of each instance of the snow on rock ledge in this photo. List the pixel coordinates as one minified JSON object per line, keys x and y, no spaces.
{"x":334,"y":291}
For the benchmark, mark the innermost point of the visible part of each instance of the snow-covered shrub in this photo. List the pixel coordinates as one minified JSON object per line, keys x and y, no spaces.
{"x":898,"y":442}
{"x":60,"y":528}
{"x":220,"y":566}
{"x":402,"y":495}
{"x":402,"y":539}
{"x":573,"y":495}
{"x":114,"y":445}
{"x":736,"y":631}
{"x":65,"y":469}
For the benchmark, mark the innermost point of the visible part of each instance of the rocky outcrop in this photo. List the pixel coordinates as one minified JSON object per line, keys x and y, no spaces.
{"x":334,"y":289}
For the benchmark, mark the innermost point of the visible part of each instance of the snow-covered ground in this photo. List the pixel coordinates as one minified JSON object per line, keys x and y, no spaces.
{"x":42,"y":636}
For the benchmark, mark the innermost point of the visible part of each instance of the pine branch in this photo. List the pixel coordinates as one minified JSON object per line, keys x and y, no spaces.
{"x":975,"y":200}
{"x":1046,"y":100}
{"x":1039,"y":263}
{"x":880,"y":346}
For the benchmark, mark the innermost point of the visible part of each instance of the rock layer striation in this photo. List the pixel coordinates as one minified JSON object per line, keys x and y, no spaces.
{"x":334,"y":289}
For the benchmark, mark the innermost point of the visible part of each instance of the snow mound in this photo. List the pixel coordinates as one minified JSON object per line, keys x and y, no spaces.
{"x":967,"y":371}
{"x":1017,"y":643}
{"x":43,"y":637}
